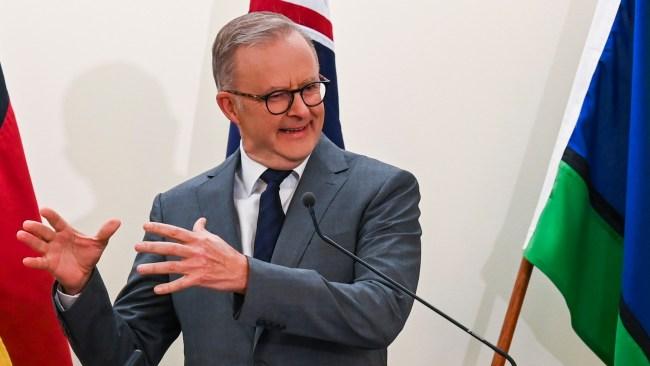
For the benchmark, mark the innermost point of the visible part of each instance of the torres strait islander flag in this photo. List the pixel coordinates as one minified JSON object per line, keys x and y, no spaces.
{"x":593,"y":235}
{"x":313,"y":17}
{"x":28,"y":327}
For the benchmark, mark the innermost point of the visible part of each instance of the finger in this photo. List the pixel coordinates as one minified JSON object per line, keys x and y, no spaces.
{"x":169,"y":267}
{"x":164,"y":248}
{"x":35,"y":262}
{"x":169,"y":231}
{"x":108,"y":229}
{"x":39,"y":229}
{"x":32,"y":241}
{"x":199,"y":225}
{"x":55,"y":220}
{"x":174,"y":286}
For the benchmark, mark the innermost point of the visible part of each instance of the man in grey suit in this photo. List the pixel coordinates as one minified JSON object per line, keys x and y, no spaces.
{"x":220,"y":261}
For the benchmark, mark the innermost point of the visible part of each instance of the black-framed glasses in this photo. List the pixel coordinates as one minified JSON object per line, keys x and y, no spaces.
{"x":280,"y":101}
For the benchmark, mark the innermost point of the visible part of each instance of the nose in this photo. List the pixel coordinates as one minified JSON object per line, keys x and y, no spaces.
{"x":298,"y":108}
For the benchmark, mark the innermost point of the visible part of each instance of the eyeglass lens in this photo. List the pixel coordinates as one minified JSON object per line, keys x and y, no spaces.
{"x":312,"y":95}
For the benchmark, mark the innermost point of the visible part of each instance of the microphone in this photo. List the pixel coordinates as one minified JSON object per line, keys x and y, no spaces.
{"x":135,"y":359}
{"x":309,"y":200}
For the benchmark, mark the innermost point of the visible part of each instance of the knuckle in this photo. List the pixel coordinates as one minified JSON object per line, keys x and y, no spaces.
{"x":200,"y":252}
{"x":204,"y":240}
{"x":187,"y":281}
{"x":173,"y":266}
{"x":202,"y":262}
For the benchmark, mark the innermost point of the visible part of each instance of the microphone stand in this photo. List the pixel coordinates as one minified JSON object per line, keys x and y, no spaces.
{"x":308,"y":200}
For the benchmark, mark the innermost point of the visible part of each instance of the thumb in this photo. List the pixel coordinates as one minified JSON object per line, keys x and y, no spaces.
{"x":199,"y":225}
{"x":108,"y":229}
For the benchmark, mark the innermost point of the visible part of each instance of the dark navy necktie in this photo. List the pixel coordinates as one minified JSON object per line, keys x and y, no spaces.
{"x":271,"y":215}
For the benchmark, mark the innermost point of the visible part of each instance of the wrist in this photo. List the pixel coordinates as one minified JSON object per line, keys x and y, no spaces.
{"x":71,"y":291}
{"x":243,"y":277}
{"x":74,"y":288}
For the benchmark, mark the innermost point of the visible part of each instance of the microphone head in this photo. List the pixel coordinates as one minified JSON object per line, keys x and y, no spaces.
{"x":308,"y":199}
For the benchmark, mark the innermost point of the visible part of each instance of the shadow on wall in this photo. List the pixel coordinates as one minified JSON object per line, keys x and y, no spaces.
{"x":543,"y":302}
{"x":210,"y":130}
{"x":120,"y":136}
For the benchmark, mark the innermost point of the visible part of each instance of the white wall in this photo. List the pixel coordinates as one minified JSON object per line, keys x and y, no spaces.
{"x":115,"y":103}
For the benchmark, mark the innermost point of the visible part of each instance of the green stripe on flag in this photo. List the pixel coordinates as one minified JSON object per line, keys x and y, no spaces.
{"x":582,"y":255}
{"x":628,"y":351}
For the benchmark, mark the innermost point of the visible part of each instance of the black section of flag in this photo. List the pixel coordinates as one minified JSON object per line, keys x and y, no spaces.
{"x":598,"y":202}
{"x":4,"y":97}
{"x":634,"y":328}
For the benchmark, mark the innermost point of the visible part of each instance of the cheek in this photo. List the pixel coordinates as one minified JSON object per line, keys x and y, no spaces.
{"x":317,"y":114}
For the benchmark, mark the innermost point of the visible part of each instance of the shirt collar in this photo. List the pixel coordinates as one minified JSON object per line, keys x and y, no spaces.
{"x":251,"y":170}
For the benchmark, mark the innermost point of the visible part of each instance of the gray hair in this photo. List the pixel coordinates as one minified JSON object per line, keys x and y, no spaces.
{"x":248,"y":30}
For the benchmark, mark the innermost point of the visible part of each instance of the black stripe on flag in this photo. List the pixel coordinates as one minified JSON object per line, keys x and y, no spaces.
{"x":634,"y":328}
{"x":598,"y":202}
{"x":4,"y":97}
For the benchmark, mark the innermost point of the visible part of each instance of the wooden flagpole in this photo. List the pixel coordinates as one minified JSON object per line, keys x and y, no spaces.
{"x":514,"y":308}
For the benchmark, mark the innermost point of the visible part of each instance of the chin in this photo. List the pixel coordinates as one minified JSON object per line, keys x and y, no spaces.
{"x":299,"y":145}
{"x":297,"y":155}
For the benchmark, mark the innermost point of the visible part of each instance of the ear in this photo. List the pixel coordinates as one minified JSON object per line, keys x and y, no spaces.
{"x":227,"y":105}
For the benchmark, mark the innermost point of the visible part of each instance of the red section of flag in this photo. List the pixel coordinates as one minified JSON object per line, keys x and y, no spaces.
{"x":28,"y":324}
{"x":299,"y":14}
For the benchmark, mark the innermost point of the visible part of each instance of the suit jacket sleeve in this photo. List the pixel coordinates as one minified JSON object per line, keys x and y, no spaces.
{"x":364,"y":312}
{"x":105,"y":335}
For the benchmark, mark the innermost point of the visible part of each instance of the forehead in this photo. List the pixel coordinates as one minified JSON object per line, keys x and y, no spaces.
{"x":284,"y":62}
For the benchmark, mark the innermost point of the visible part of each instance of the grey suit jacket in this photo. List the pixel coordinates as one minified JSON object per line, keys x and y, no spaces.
{"x":310,"y":305}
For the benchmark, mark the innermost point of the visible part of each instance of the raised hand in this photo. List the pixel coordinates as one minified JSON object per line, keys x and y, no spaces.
{"x":206,"y":260}
{"x":67,"y":254}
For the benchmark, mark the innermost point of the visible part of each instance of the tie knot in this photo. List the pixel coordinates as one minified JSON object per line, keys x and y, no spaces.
{"x":274,"y":177}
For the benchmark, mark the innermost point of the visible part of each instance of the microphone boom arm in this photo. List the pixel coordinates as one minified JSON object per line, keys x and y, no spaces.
{"x":309,"y":200}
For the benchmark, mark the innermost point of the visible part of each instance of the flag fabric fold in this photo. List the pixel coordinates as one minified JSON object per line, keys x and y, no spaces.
{"x":593,"y":236}
{"x":28,"y":326}
{"x":313,"y":17}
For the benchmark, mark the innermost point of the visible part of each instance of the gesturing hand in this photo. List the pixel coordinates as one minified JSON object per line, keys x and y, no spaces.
{"x":67,"y":254}
{"x":206,"y":260}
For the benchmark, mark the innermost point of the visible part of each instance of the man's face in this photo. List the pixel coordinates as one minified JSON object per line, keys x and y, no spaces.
{"x":277,"y":141}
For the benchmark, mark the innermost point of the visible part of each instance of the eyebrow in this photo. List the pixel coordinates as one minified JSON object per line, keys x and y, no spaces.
{"x":306,"y":81}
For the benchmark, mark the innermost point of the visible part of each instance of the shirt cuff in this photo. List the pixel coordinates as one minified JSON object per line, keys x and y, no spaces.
{"x":63,"y":300}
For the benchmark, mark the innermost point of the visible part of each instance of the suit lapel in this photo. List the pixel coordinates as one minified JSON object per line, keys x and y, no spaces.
{"x":216,"y":202}
{"x":324,"y":175}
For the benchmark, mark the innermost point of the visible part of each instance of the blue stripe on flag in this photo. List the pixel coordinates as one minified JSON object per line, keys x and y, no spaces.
{"x":601,"y":132}
{"x":332,"y":127}
{"x":613,"y":135}
{"x":636,"y":269}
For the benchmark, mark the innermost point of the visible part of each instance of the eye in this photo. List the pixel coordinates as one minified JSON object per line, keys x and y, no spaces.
{"x":312,"y":88}
{"x":278,"y":96}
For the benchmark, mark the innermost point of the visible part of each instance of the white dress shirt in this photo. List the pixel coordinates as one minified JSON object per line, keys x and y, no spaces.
{"x":246,"y":194}
{"x":247,"y":191}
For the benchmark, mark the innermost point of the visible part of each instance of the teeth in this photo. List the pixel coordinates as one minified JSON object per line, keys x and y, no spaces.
{"x":294,"y":129}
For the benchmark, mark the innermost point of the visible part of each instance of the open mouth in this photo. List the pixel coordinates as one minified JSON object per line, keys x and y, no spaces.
{"x":293,"y":130}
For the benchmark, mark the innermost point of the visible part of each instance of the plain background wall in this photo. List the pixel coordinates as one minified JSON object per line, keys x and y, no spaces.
{"x":115,"y":102}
